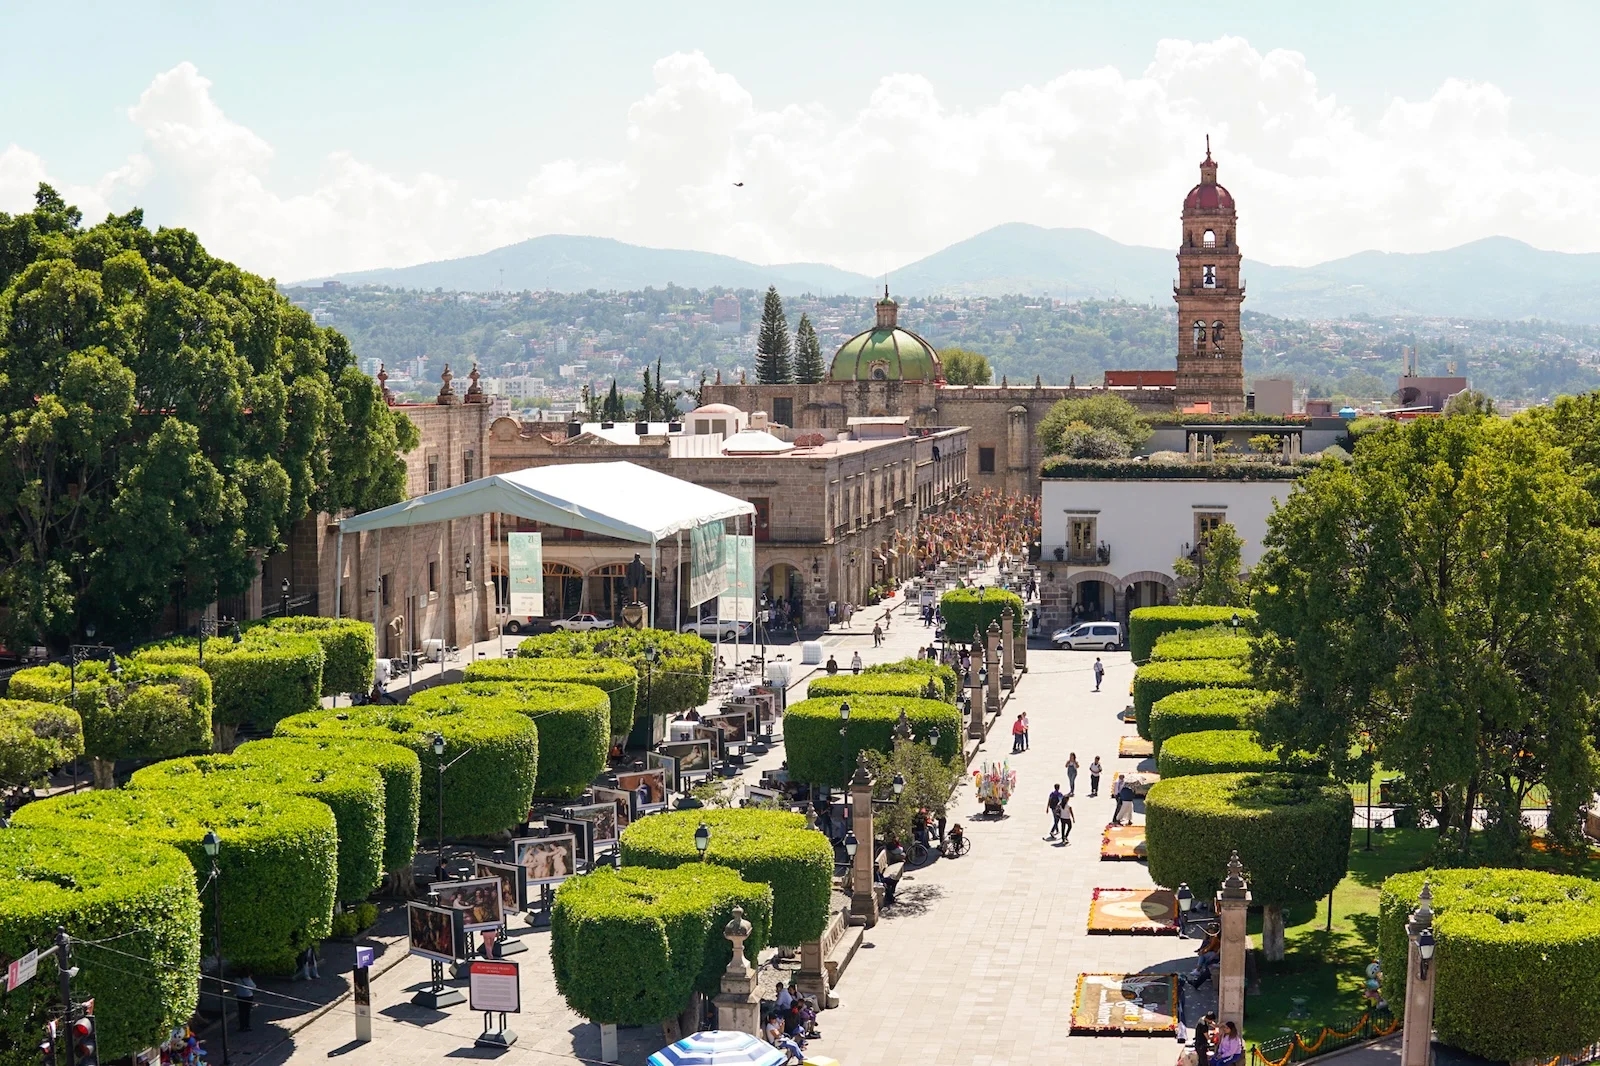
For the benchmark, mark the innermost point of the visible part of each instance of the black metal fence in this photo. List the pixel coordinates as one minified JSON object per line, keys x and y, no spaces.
{"x":1297,"y":1047}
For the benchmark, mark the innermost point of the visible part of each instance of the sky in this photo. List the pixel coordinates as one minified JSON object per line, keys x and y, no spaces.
{"x":302,"y":139}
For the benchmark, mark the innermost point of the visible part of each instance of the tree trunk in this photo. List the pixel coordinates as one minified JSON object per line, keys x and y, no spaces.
{"x":102,"y":771}
{"x":1272,"y":945}
{"x":223,"y":737}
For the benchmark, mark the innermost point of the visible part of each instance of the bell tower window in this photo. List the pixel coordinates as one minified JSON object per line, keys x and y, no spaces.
{"x":1208,"y":277}
{"x":1199,"y":333}
{"x":1216,"y":335}
{"x":1208,"y":239}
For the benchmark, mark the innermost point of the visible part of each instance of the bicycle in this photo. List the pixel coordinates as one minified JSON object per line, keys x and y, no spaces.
{"x":956,"y":844}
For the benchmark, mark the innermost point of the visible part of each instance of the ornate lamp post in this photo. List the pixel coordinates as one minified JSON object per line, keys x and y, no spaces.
{"x":211,"y":845}
{"x":863,"y":900}
{"x":702,"y":840}
{"x":1416,"y":1041}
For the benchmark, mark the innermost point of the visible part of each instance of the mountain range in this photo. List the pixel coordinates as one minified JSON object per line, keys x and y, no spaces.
{"x":1496,"y":277}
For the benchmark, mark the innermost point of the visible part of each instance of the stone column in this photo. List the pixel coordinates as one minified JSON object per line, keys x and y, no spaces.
{"x":812,"y":977}
{"x":739,"y":1004}
{"x":863,"y":900}
{"x":1232,"y":903}
{"x":1008,"y":648}
{"x":1416,"y":1041}
{"x":902,"y":731}
{"x":992,"y":658}
{"x":975,"y":690}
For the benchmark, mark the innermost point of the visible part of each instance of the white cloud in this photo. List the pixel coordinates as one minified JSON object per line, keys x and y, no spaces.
{"x":902,"y":176}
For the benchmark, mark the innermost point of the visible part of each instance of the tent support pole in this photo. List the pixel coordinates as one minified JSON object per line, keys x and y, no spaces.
{"x":377,"y":593}
{"x":655,"y":598}
{"x":338,"y":575}
{"x":410,"y":663}
{"x":677,"y":591}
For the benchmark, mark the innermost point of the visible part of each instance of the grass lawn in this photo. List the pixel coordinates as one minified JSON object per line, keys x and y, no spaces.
{"x":1328,"y":968}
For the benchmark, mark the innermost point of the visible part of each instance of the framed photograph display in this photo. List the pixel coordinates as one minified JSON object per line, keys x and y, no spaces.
{"x":513,"y":883}
{"x":648,"y":787}
{"x":693,"y":756}
{"x":734,"y":728}
{"x":603,"y":816}
{"x":545,"y":860}
{"x":579,"y":829}
{"x":667,"y":766}
{"x":435,"y":932}
{"x":754,"y":795}
{"x":622,"y":801}
{"x":704,"y":732}
{"x":478,"y":900}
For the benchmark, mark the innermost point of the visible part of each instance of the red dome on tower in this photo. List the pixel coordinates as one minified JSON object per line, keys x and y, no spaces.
{"x":1208,"y":195}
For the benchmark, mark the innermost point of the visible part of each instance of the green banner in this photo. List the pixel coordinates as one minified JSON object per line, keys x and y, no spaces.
{"x":708,"y":564}
{"x":526,"y":551}
{"x":739,"y":601}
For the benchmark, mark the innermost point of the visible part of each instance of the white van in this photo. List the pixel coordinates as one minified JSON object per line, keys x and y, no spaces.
{"x":1106,"y":636}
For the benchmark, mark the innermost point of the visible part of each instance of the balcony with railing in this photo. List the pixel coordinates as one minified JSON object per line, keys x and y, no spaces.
{"x":1085,"y":555}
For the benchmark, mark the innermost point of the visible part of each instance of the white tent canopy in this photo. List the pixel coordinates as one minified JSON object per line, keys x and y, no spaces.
{"x":618,"y":500}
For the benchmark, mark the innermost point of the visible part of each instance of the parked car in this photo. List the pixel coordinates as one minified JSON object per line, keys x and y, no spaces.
{"x":719,"y":629}
{"x":1089,"y":635}
{"x":528,"y":624}
{"x":581,"y":622}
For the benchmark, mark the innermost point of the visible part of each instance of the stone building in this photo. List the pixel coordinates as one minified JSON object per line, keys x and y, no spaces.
{"x":1208,"y":293}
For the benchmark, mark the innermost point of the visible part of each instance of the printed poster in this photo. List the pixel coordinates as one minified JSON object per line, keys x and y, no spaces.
{"x":527,"y":574}
{"x":708,"y":566}
{"x":739,"y":601}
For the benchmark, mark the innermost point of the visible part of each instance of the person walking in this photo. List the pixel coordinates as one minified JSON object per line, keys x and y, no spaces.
{"x":1099,"y":672}
{"x":832,"y":667}
{"x":1024,"y":730}
{"x":244,"y":990}
{"x":1202,"y":1038}
{"x":1094,"y":777}
{"x":877,"y":636}
{"x":1067,"y":818}
{"x":1054,"y":805}
{"x":1072,"y":773}
{"x":1016,"y":735}
{"x":855,"y":663}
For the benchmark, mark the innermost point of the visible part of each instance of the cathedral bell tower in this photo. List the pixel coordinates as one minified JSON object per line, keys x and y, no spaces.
{"x":1208,"y":293}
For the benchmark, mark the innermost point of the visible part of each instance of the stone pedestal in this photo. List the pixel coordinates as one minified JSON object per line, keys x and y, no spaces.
{"x":863,"y":900}
{"x":992,"y":659}
{"x":1416,"y":1040}
{"x":975,"y":689}
{"x":1232,"y":904}
{"x":812,"y":977}
{"x":1008,"y":648}
{"x":739,"y":1003}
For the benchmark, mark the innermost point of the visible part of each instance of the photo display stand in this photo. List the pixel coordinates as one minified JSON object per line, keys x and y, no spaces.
{"x":513,"y":898}
{"x":437,"y":935}
{"x":496,"y":989}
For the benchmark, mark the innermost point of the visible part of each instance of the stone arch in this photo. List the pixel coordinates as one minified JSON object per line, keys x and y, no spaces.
{"x":1146,"y":588}
{"x":1103,"y":599}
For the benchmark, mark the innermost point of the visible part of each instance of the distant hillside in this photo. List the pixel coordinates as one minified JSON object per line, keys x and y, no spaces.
{"x":565,"y":263}
{"x":1496,"y":278}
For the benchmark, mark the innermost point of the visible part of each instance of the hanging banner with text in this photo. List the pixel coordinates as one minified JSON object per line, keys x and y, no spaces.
{"x":739,"y":601}
{"x":527,"y":574}
{"x":708,"y":566}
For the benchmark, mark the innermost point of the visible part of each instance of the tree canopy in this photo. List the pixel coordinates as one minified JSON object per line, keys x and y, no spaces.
{"x":164,"y":417}
{"x":1071,"y":423}
{"x":809,"y":368}
{"x":1211,"y":577}
{"x":772,"y":343}
{"x":963,"y":367}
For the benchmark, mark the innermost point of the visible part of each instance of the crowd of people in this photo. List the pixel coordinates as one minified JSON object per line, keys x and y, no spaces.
{"x":987,"y":525}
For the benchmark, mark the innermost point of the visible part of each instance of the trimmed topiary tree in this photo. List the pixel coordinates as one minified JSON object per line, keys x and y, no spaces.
{"x":1292,"y":833}
{"x":818,"y":755}
{"x":771,"y":847}
{"x":265,"y":677}
{"x":352,"y":791}
{"x":1154,"y":681}
{"x":966,"y":610}
{"x":1145,"y":624}
{"x":35,"y":738}
{"x":901,"y":686}
{"x":1201,"y":648}
{"x":574,"y":725}
{"x":616,"y":678}
{"x":1517,"y":953}
{"x":949,"y":683}
{"x":679,"y":680}
{"x":629,"y":946}
{"x":1195,"y":709}
{"x":1224,"y":751}
{"x":278,"y":856}
{"x":488,"y":791}
{"x":147,"y":711}
{"x":348,"y":647}
{"x":400,"y":768}
{"x":136,"y":893}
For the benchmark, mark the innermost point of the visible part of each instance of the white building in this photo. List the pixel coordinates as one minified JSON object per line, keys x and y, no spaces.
{"x":1108,"y":544}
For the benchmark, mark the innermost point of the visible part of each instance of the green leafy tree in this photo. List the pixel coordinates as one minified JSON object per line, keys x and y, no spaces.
{"x":1436,"y":605}
{"x":1469,"y":402}
{"x":1111,"y":413}
{"x":1080,"y":440}
{"x":808,"y":365}
{"x":666,"y":403}
{"x":1211,"y":577}
{"x":772,"y":343}
{"x":929,"y":782}
{"x":613,"y":409}
{"x":1264,"y":443}
{"x":963,"y":367}
{"x":164,"y":418}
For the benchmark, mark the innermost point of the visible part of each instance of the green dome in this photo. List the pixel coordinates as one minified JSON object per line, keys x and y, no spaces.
{"x":886,"y":352}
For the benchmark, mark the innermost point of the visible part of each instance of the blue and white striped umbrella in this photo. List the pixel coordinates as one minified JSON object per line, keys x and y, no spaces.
{"x":718,"y":1047}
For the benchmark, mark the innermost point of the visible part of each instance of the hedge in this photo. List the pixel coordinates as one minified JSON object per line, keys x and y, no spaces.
{"x":574,"y":725}
{"x":1154,"y":681}
{"x":615,"y":678}
{"x":901,"y":686}
{"x":1235,"y":648}
{"x":352,"y":791}
{"x":400,"y":768}
{"x":679,"y":681}
{"x":278,"y":856}
{"x":628,"y":946}
{"x":1196,"y":709}
{"x":348,"y":648}
{"x":140,"y":895}
{"x":1292,"y":833}
{"x":149,"y":711}
{"x":1140,"y":470}
{"x":966,"y":610}
{"x":35,"y":738}
{"x":1224,"y":751}
{"x":264,"y":678}
{"x":945,"y":675}
{"x":818,"y":755}
{"x":1145,"y":624}
{"x":488,"y":791}
{"x":771,"y":847}
{"x":1517,"y":953}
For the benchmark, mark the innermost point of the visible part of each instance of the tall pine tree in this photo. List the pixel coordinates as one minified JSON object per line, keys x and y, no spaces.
{"x":808,"y":368}
{"x":666,"y":403}
{"x":647,"y":398}
{"x":772,"y":344}
{"x":613,"y":406}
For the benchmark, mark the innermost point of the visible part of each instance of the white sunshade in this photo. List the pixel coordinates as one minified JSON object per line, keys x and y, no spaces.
{"x":610,"y":499}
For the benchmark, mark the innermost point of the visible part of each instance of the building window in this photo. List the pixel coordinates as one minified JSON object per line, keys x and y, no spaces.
{"x":763,"y":519}
{"x":985,"y":460}
{"x":1216,"y":334}
{"x":1209,"y":277}
{"x":383,"y":590}
{"x":433,"y":575}
{"x":1204,"y":523}
{"x":1209,"y":239}
{"x":783,"y":410}
{"x":1081,"y":544}
{"x":433,"y":473}
{"x":466,"y":466}
{"x":1199,"y":333}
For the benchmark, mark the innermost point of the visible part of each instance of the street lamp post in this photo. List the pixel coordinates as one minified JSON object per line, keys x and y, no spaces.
{"x":651,"y":654}
{"x":702,"y":840}
{"x":212,"y":844}
{"x":440,"y":767}
{"x":283,"y":589}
